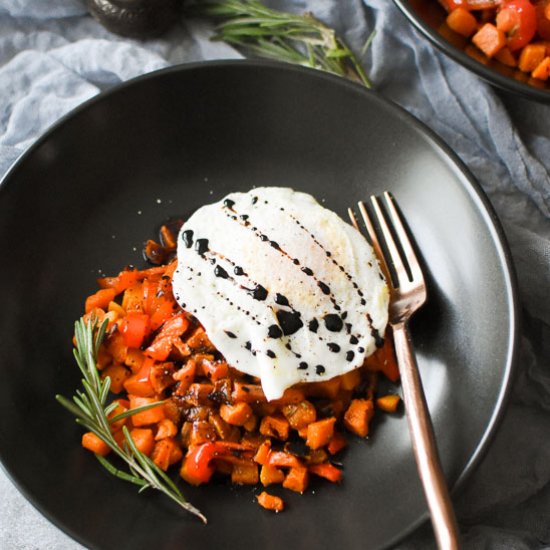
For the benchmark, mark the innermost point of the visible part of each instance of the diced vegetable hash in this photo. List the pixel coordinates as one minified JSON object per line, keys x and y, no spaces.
{"x":215,"y":421}
{"x":514,"y":32}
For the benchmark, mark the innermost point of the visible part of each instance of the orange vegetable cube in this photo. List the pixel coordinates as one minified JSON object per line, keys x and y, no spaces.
{"x":262,"y":454}
{"x":337,"y":443}
{"x":489,"y":39}
{"x":165,"y":453}
{"x":150,"y":416}
{"x":462,"y":22}
{"x":270,"y":502}
{"x":166,"y":428}
{"x":270,"y":475}
{"x":300,"y":415}
{"x":118,"y":375}
{"x":531,"y":57}
{"x":388,"y":403}
{"x":236,"y":415}
{"x":275,"y":426}
{"x":506,"y":57}
{"x":143,"y":439}
{"x":358,"y":416}
{"x":297,"y":480}
{"x":542,"y":71}
{"x":100,"y":299}
{"x":93,"y":443}
{"x":245,"y":474}
{"x":320,"y":433}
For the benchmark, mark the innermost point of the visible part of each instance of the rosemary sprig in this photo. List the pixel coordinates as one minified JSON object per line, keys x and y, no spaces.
{"x":92,"y":411}
{"x":299,"y":39}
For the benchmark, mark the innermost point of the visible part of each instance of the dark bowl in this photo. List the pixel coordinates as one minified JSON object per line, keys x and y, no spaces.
{"x":429,"y":18}
{"x":82,"y":200}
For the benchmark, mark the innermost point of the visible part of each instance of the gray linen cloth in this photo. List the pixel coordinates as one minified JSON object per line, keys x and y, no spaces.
{"x":53,"y":56}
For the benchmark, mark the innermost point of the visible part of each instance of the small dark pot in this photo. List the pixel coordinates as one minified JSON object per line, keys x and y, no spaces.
{"x":136,"y":18}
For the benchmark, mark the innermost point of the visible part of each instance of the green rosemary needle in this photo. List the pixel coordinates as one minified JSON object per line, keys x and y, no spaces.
{"x":300,"y":39}
{"x":92,"y":412}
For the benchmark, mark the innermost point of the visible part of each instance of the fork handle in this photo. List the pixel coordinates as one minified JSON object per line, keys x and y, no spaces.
{"x":423,"y":442}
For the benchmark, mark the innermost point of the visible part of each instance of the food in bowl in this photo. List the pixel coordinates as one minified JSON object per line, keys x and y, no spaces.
{"x":514,"y":32}
{"x":252,"y":353}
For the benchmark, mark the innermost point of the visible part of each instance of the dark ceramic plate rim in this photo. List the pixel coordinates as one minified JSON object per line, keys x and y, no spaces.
{"x":486,"y":210}
{"x":486,"y":73}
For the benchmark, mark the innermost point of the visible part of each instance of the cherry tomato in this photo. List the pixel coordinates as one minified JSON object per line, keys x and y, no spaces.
{"x":451,"y":5}
{"x":135,"y":328}
{"x":518,"y":19}
{"x":543,"y":21}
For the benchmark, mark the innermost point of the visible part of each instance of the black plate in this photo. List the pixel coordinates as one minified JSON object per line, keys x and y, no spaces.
{"x":429,"y":18}
{"x":84,"y":198}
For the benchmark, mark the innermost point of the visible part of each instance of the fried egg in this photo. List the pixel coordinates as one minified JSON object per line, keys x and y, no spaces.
{"x":285,"y":289}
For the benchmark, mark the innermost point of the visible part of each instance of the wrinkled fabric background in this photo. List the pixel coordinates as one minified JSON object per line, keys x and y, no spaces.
{"x":53,"y":56}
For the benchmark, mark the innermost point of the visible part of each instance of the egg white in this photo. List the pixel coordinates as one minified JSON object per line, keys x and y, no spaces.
{"x":275,"y":243}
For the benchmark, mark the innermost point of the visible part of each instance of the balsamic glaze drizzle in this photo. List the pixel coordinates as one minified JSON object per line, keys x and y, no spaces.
{"x":289,"y":322}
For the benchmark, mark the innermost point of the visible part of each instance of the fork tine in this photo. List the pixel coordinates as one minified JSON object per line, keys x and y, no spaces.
{"x":374,"y":240}
{"x":395,"y":256}
{"x":403,"y":238}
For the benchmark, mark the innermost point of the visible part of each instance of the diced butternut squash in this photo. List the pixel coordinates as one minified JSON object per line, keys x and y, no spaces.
{"x":462,"y":22}
{"x":358,"y":416}
{"x":270,"y":475}
{"x":236,"y":415}
{"x":388,"y":403}
{"x":245,"y":474}
{"x":270,"y":502}
{"x":531,"y":57}
{"x":489,"y":39}
{"x":320,"y":433}
{"x":297,"y":480}
{"x":95,"y":444}
{"x":275,"y":426}
{"x":542,"y":71}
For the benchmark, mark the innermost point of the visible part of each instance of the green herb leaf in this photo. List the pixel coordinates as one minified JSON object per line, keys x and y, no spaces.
{"x":91,"y":411}
{"x":293,"y":38}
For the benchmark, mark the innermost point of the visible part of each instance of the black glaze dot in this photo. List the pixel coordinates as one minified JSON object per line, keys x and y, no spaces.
{"x":220,"y":272}
{"x":344,"y":315}
{"x":378,"y":340}
{"x":289,"y":321}
{"x":313,"y":325}
{"x":296,"y":261}
{"x":307,"y":271}
{"x":350,"y":355}
{"x":275,"y":245}
{"x":248,"y":346}
{"x":325,"y":289}
{"x":353,"y":340}
{"x":274,"y":331}
{"x":271,"y":354}
{"x":302,"y":366}
{"x":333,"y":322}
{"x":187,"y":237}
{"x":230,"y":334}
{"x":329,"y":254}
{"x":319,"y":369}
{"x":244,"y":217}
{"x":363,"y":302}
{"x":201,"y":246}
{"x":335,"y":348}
{"x":360,"y":350}
{"x":228,"y":203}
{"x":264,"y":238}
{"x":258,"y":293}
{"x":281,"y":300}
{"x":254,"y":200}
{"x":238,"y":270}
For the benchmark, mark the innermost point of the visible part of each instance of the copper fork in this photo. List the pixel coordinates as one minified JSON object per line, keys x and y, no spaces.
{"x":407,"y":294}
